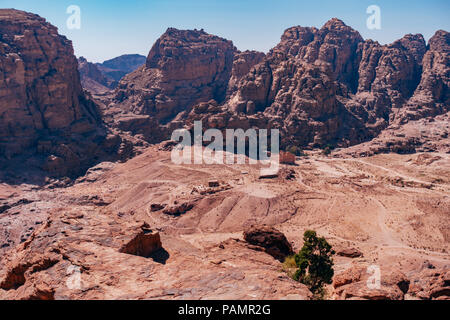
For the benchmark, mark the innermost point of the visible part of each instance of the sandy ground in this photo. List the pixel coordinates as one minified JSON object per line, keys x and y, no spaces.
{"x":393,"y":208}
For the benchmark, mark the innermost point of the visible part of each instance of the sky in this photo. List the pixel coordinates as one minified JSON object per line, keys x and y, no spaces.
{"x":110,"y":28}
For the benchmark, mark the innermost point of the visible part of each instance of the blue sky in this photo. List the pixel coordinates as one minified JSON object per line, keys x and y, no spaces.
{"x":110,"y":28}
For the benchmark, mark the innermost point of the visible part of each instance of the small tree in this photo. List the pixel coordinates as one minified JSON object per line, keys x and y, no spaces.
{"x":327,"y":149}
{"x":296,"y":151}
{"x":314,"y":262}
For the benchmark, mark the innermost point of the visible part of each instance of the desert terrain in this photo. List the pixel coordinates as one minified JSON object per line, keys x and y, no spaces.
{"x":93,"y":207}
{"x":392,"y":208}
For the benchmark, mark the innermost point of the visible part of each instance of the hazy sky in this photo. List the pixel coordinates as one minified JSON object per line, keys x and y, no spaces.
{"x":110,"y":28}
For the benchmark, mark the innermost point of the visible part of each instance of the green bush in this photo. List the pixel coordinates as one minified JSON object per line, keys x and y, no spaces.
{"x":326,"y":150}
{"x":315,"y":263}
{"x":296,"y":150}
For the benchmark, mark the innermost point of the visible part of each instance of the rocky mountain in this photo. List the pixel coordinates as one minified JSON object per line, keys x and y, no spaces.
{"x":182,"y":69}
{"x":92,"y":79}
{"x":117,"y":68}
{"x":43,"y":109}
{"x":320,"y":87}
{"x":98,"y":78}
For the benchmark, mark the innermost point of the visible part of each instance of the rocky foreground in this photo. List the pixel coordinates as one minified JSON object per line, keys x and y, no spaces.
{"x":149,"y":229}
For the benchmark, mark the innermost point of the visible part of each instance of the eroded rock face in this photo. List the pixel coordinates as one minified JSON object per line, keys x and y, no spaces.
{"x":431,"y":284}
{"x":318,"y":86}
{"x":184,"y":67}
{"x":43,"y":108}
{"x":242,"y":64}
{"x":143,"y":243}
{"x":354,"y":283}
{"x":432,"y":95}
{"x":99,"y":78}
{"x":273,"y":241}
{"x":350,"y":253}
{"x":92,"y":79}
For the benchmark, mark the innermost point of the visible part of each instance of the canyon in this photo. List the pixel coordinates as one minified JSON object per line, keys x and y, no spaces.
{"x":87,"y":182}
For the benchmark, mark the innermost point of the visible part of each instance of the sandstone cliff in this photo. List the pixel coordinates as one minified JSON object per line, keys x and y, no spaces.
{"x":98,"y":78}
{"x":320,"y":87}
{"x":43,"y":109}
{"x":92,"y":79}
{"x":182,"y":69}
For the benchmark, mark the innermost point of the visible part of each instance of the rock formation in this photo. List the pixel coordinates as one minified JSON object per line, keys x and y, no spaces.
{"x":269,"y":238}
{"x":92,"y":79}
{"x":98,"y":78}
{"x":178,"y":231}
{"x":320,"y":87}
{"x":183,"y":68}
{"x":43,"y":109}
{"x":143,"y":243}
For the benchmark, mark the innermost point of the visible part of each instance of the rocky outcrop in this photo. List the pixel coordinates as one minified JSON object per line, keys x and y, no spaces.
{"x":92,"y":79}
{"x":432,"y":95}
{"x":43,"y":108}
{"x":143,"y":243}
{"x":118,"y":67}
{"x":182,"y":69}
{"x":330,"y":86}
{"x":273,"y":241}
{"x":320,"y":87}
{"x":242,"y":64}
{"x":350,"y":253}
{"x":427,"y":284}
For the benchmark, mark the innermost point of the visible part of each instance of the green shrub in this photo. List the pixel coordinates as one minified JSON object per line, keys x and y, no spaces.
{"x":296,"y":150}
{"x":289,"y":266}
{"x":327,"y":151}
{"x":315,"y":263}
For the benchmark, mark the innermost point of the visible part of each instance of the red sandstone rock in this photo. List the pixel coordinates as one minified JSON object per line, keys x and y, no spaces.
{"x":143,"y":244}
{"x":92,"y":79}
{"x":350,"y":253}
{"x":269,"y":238}
{"x":43,"y":108}
{"x":182,"y":69}
{"x":287,"y":158}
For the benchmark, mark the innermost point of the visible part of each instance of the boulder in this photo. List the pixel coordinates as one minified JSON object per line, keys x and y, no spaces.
{"x":143,"y":243}
{"x":287,"y":158}
{"x":350,"y":253}
{"x":353,"y":284}
{"x":270,"y":239}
